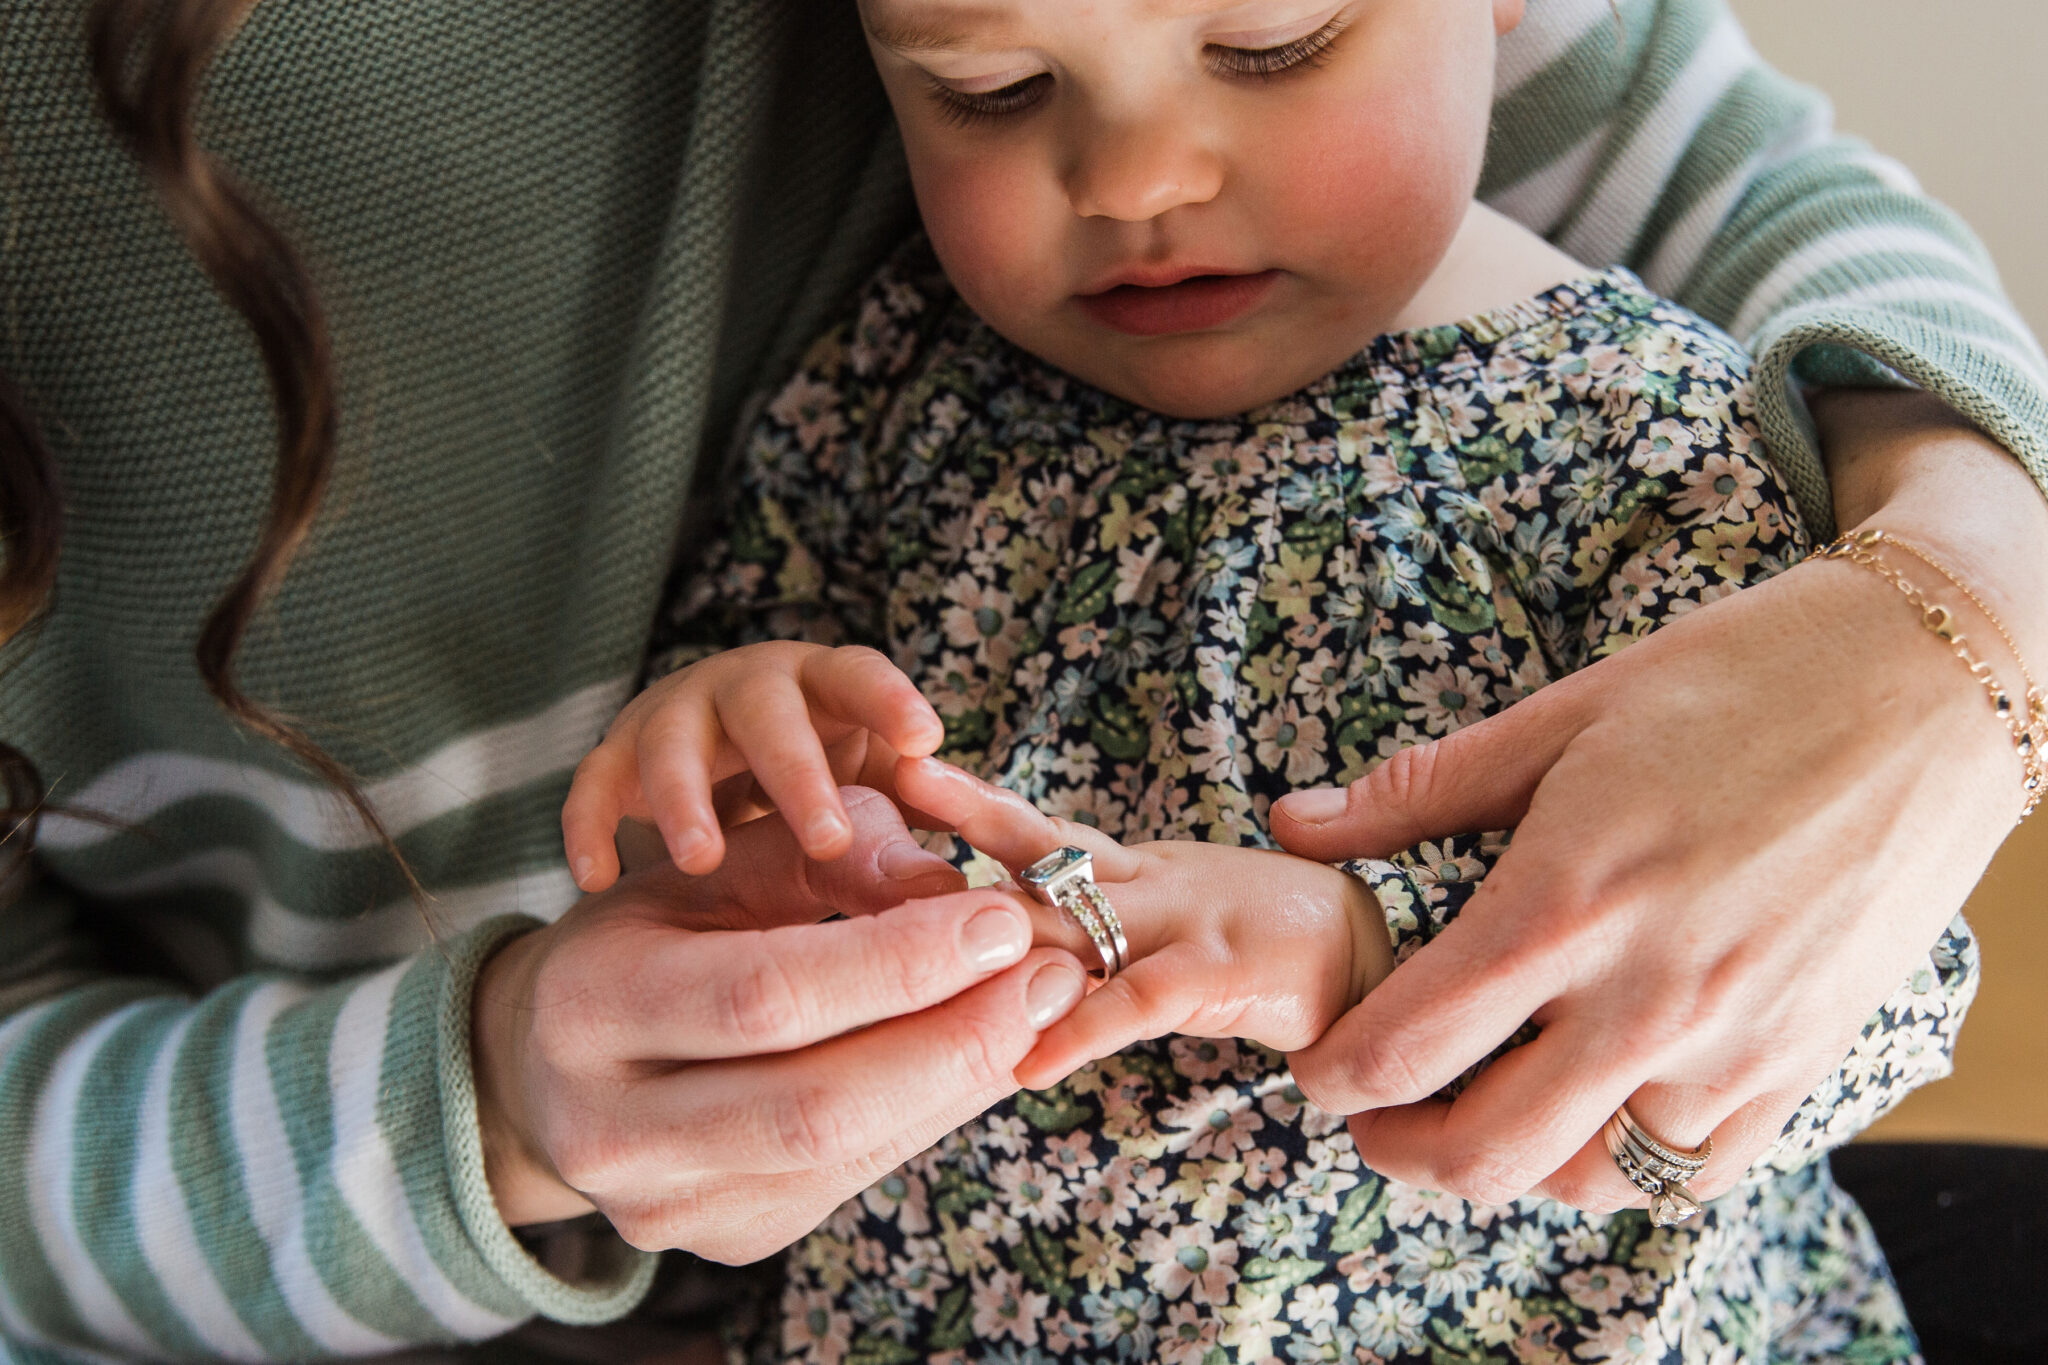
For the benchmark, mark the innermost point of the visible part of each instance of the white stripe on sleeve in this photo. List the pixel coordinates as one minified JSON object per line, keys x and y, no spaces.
{"x":270,"y":1176}
{"x":364,"y":1171}
{"x":163,"y":1224}
{"x":470,"y":769}
{"x":52,"y":1147}
{"x":1627,"y":192}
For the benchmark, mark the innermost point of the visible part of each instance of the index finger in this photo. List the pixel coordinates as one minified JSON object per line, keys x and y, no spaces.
{"x":677,"y":996}
{"x":1464,"y":994}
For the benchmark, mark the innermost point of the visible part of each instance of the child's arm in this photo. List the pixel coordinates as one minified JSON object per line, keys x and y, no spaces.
{"x":1225,"y":942}
{"x":800,"y":718}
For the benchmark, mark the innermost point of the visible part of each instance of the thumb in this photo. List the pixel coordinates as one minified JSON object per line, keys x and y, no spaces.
{"x":1479,"y":778}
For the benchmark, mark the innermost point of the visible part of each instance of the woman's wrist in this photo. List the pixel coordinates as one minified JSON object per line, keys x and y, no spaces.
{"x":1908,"y":464}
{"x":526,"y":1190}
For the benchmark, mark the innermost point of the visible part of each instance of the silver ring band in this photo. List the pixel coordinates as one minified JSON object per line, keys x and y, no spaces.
{"x":1066,"y":878}
{"x":1656,"y":1168}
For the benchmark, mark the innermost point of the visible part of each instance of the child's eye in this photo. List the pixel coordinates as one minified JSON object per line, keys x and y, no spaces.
{"x":1307,"y":51}
{"x":962,"y":109}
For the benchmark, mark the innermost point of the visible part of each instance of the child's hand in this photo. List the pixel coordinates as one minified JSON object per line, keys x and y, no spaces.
{"x":1225,"y":942}
{"x":801,"y":719}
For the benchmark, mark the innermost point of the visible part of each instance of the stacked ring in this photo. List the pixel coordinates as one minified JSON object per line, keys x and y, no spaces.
{"x":1656,"y":1168}
{"x":1065,"y":878}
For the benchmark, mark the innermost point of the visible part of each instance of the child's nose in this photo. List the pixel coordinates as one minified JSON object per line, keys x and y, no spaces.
{"x":1136,"y":170}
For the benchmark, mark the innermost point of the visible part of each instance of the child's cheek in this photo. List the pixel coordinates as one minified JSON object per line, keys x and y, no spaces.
{"x":994,"y":221}
{"x":1372,"y":199}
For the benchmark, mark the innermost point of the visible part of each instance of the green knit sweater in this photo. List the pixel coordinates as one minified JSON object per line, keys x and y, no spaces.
{"x":561,"y":243}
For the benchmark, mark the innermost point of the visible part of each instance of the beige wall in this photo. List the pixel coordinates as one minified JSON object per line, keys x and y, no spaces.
{"x":1954,"y":88}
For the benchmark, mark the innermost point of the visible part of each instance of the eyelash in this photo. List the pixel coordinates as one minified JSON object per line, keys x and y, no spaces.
{"x":962,"y":110}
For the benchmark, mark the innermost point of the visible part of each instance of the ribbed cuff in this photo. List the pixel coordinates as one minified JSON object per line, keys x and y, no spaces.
{"x":618,"y":1274}
{"x":1999,"y":397}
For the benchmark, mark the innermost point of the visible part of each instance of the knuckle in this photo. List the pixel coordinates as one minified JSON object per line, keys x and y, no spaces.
{"x":1485,"y":1177}
{"x":1407,"y":776}
{"x":593,"y":1156}
{"x":761,"y":1009}
{"x":905,"y":958}
{"x":1378,"y":1070}
{"x":985,"y":1055}
{"x":817,"y":1127}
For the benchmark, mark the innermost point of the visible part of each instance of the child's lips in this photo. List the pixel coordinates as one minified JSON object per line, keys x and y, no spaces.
{"x":1194,"y":304}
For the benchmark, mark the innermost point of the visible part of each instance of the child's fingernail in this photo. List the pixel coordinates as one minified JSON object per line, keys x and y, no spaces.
{"x":584,"y":867}
{"x":1055,"y":990}
{"x":1316,"y":805}
{"x":994,"y":938}
{"x":904,"y":861}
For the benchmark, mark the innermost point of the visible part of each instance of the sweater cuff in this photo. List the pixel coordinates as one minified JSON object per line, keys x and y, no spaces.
{"x":613,"y":1276}
{"x":1999,"y":390}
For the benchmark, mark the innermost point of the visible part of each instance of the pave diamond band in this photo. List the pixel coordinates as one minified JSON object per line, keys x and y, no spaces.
{"x":1066,"y":878}
{"x":1656,"y":1168}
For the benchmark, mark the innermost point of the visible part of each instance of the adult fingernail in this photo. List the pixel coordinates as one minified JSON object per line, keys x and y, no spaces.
{"x":687,"y":845}
{"x":824,"y":828}
{"x":994,"y":938}
{"x":904,"y":861}
{"x":1055,"y":990}
{"x":584,"y":867}
{"x":1316,"y":805}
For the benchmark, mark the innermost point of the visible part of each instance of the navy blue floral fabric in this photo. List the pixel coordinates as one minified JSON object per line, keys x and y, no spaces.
{"x":1158,"y":626}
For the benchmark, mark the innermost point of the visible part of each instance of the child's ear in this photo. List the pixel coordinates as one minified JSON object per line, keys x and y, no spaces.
{"x":1507,"y":16}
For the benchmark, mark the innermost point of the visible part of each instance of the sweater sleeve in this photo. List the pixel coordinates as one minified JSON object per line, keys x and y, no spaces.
{"x":279,"y":1169}
{"x":1654,"y":137}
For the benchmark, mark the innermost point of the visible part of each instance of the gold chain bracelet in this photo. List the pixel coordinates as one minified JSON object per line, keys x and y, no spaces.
{"x":2027,"y":722}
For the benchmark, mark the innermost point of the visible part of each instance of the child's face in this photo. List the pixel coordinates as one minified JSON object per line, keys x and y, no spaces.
{"x":1306,"y":162}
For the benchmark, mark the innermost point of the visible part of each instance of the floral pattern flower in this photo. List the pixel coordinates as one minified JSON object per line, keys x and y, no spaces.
{"x":1159,"y":626}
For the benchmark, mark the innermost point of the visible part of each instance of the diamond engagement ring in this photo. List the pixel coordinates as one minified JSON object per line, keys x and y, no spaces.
{"x":1066,"y":878}
{"x":1655,"y":1168}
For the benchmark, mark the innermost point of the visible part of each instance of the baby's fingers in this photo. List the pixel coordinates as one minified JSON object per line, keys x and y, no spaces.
{"x":861,"y":687}
{"x":1150,"y":999}
{"x":596,"y":803}
{"x":768,"y":720}
{"x":1001,"y":823}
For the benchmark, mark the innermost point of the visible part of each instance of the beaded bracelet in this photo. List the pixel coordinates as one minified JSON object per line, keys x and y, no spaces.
{"x":2029,"y":730}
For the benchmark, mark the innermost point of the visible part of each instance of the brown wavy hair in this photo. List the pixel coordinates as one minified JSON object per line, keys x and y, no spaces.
{"x":148,"y":59}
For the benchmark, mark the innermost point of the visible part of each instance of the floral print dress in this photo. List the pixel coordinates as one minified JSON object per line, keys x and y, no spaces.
{"x":1158,"y":626}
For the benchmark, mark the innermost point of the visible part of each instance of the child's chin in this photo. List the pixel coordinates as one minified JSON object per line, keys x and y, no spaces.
{"x":1202,"y":386}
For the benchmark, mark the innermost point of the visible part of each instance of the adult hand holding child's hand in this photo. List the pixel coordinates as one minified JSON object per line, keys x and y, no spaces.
{"x":1734,"y":839}
{"x":676,"y":1051}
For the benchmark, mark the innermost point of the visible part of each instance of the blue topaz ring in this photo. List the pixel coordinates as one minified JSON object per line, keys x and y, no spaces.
{"x":1656,"y":1168}
{"x":1065,"y":879}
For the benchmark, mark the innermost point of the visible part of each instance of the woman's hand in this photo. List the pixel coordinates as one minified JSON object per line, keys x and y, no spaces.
{"x":1734,"y":840}
{"x":680,"y":1053}
{"x":1225,"y":942}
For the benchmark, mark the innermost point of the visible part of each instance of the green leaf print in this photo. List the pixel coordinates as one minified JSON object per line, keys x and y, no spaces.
{"x":1630,"y":1227}
{"x":1486,"y":459}
{"x":867,"y":1350}
{"x":1088,"y":595}
{"x":1361,"y":1218}
{"x":953,"y":1328}
{"x":1458,"y":607}
{"x":1119,"y":729}
{"x":1043,"y":1262}
{"x":1053,"y":1111}
{"x":957,"y":1193}
{"x":1277,"y":1277}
